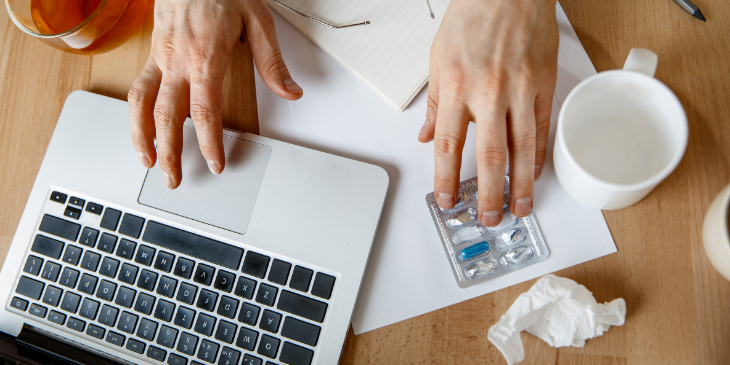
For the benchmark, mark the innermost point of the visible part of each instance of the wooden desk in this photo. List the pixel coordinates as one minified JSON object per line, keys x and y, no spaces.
{"x":678,"y":306}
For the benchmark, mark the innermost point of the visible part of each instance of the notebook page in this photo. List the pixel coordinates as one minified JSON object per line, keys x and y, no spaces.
{"x":390,"y":54}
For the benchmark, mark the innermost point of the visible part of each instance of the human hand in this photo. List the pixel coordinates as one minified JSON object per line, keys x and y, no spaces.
{"x":493,"y":62}
{"x":191,"y":41}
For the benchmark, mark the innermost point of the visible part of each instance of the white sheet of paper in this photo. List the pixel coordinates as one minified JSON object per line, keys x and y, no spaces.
{"x":408,"y":274}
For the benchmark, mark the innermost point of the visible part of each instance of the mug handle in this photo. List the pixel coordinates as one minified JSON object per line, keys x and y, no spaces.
{"x":642,"y":61}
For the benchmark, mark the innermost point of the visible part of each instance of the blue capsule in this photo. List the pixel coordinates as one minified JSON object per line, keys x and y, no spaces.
{"x":474,"y":250}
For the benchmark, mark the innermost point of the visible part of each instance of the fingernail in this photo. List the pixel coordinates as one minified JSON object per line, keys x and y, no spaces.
{"x":292,"y":86}
{"x":491,"y":218}
{"x":213,"y":166}
{"x":523,"y":206}
{"x":168,"y":180}
{"x":537,"y":172}
{"x":445,"y":200}
{"x":422,"y":132}
{"x":143,"y":160}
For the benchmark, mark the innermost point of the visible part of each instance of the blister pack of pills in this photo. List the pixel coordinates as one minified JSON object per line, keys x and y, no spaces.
{"x":478,"y":253}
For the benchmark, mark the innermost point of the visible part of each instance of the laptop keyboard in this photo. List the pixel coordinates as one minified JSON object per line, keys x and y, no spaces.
{"x":164,"y":294}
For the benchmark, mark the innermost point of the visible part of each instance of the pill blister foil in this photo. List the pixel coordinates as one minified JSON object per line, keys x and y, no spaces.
{"x":512,"y":247}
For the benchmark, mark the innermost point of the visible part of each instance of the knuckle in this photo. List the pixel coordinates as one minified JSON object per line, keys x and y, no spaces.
{"x":523,"y":143}
{"x":135,"y":96}
{"x":168,"y":162}
{"x":164,"y":117}
{"x":543,"y":127}
{"x":198,"y":52}
{"x":165,"y":52}
{"x":203,"y":115}
{"x":448,"y":145}
{"x":492,"y":157}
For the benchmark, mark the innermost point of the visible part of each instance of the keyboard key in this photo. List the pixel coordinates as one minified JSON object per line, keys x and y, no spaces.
{"x":204,"y":274}
{"x":300,"y":331}
{"x":147,"y":280}
{"x":302,"y":306}
{"x":70,"y":302}
{"x":184,"y":268}
{"x":225,"y":332}
{"x":204,"y":325}
{"x":72,"y":255}
{"x":245,"y":287}
{"x":108,"y":315}
{"x":77,"y":202}
{"x":90,"y":261}
{"x":246,"y":338}
{"x":50,"y":271}
{"x":322,"y":286}
{"x":268,"y":346}
{"x":147,"y":329}
{"x":134,"y":345}
{"x":88,"y":309}
{"x":95,"y":331}
{"x":270,"y":321}
{"x":115,"y":338}
{"x":229,"y":356}
{"x":164,"y":310}
{"x":266,"y":294}
{"x":156,"y":353}
{"x":166,"y":286}
{"x":224,"y":281}
{"x":109,"y":267}
{"x":69,"y":277}
{"x":175,"y":359}
{"x":106,"y":290}
{"x":128,"y":274}
{"x":144,"y":303}
{"x":33,"y":265}
{"x":107,"y":242}
{"x":58,"y":197}
{"x":38,"y":310}
{"x":184,"y":317}
{"x":249,"y":314}
{"x":19,"y":304}
{"x":76,"y":324}
{"x":94,"y":208}
{"x":295,"y":355}
{"x":164,"y":261}
{"x":87,"y":284}
{"x":59,"y":227}
{"x":88,"y":237}
{"x":52,"y":295}
{"x":167,"y":336}
{"x":228,"y":307}
{"x":131,"y":225}
{"x":29,"y":287}
{"x":187,"y":292}
{"x":279,"y":272}
{"x":187,"y":343}
{"x":47,"y":246}
{"x":208,"y":351}
{"x":255,"y":264}
{"x":145,"y":255}
{"x":127,"y":322}
{"x":72,"y":212}
{"x":251,"y":360}
{"x":125,"y":297}
{"x":110,"y":219}
{"x":206,"y":300}
{"x":126,"y":248}
{"x":57,"y":317}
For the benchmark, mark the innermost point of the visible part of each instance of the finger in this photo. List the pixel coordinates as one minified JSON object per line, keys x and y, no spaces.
{"x":170,"y":111}
{"x":543,"y":110}
{"x":521,"y":140}
{"x":425,"y":135}
{"x":491,"y":157}
{"x":449,"y":137}
{"x":261,"y":34}
{"x":206,"y":104}
{"x":142,"y":96}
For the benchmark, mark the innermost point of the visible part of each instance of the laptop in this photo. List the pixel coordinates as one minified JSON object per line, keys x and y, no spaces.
{"x":260,"y":265}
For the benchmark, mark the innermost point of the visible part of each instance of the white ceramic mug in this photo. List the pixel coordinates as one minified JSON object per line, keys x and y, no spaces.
{"x":619,"y":134}
{"x":716,"y":233}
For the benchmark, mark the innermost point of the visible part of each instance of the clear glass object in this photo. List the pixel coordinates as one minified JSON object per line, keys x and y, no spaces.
{"x":80,"y":26}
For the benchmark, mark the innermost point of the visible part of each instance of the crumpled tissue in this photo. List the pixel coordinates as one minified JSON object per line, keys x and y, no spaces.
{"x":559,"y":311}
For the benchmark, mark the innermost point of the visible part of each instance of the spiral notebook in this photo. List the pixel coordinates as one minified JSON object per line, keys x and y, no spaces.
{"x":390,"y":55}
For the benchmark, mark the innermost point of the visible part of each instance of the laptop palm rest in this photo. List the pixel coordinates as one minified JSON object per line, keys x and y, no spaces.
{"x":226,"y":200}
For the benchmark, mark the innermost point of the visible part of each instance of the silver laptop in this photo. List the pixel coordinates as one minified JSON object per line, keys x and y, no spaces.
{"x":260,"y":265}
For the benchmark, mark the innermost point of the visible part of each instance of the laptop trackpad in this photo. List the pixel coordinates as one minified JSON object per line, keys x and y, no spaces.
{"x":226,"y":200}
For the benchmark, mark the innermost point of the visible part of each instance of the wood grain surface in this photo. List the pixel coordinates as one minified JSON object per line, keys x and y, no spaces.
{"x":678,"y":305}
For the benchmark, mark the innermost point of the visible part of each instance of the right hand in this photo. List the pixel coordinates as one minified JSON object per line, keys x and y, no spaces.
{"x":191,"y":41}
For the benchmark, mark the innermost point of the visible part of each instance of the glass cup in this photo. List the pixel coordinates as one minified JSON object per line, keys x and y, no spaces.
{"x":80,"y":26}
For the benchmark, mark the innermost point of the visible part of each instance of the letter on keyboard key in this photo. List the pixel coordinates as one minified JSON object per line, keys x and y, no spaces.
{"x":144,"y":303}
{"x":270,"y":321}
{"x":204,"y":274}
{"x":187,"y":343}
{"x":167,"y":336}
{"x":268,"y":346}
{"x":76,"y":324}
{"x":225,"y":332}
{"x":147,"y":329}
{"x":295,"y":355}
{"x":167,"y":286}
{"x":228,"y":307}
{"x":106,"y":290}
{"x":88,"y":309}
{"x":156,"y":353}
{"x":127,"y":322}
{"x":204,"y":325}
{"x":164,"y":310}
{"x":229,"y":356}
{"x":249,"y":314}
{"x":251,"y":360}
{"x":300,"y":331}
{"x":115,"y":338}
{"x":128,"y":273}
{"x":70,"y":302}
{"x":110,"y":219}
{"x":245,"y":287}
{"x":208,"y":351}
{"x":52,"y":295}
{"x":187,"y":292}
{"x":57,"y":317}
{"x":266,"y":294}
{"x":29,"y":287}
{"x":246,"y":338}
{"x":134,"y":345}
{"x":125,"y":297}
{"x":33,"y":265}
{"x":88,"y":237}
{"x":131,"y":225}
{"x":59,"y":227}
{"x":164,"y":261}
{"x":184,"y":268}
{"x":95,"y":331}
{"x":109,"y":267}
{"x":224,"y":281}
{"x":207,"y":299}
{"x":145,"y":255}
{"x":87,"y":284}
{"x":50,"y":271}
{"x":72,"y":255}
{"x":184,"y":317}
{"x":47,"y":246}
{"x":147,"y":280}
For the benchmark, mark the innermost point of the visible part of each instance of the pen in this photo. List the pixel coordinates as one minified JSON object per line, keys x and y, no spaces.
{"x":691,"y":9}
{"x":429,"y":9}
